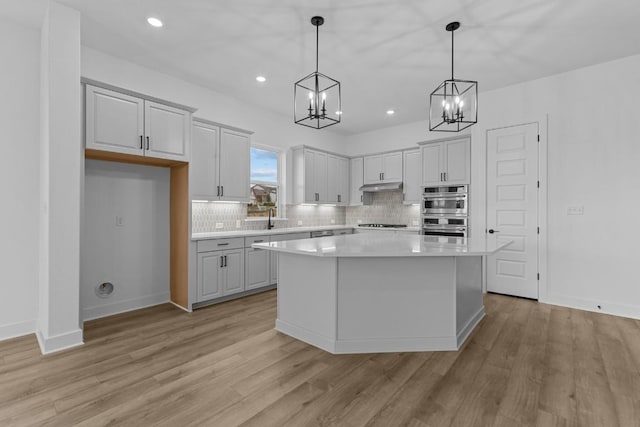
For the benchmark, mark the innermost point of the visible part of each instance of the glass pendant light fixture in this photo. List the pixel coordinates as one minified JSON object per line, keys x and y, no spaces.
{"x":454,"y":104}
{"x":316,"y":97}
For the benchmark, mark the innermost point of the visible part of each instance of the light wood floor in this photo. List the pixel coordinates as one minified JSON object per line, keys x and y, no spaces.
{"x":526,"y":364}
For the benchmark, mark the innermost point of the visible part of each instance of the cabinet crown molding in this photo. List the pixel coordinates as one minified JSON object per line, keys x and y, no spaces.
{"x":87,"y":81}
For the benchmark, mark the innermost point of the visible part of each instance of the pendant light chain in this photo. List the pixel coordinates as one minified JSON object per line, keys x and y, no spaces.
{"x":452,"y":54}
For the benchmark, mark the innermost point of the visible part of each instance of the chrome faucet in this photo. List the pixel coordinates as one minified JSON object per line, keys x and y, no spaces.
{"x":269,"y":224}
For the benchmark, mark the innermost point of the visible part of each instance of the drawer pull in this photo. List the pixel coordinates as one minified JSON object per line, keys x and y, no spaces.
{"x":258,"y":241}
{"x":223,"y":244}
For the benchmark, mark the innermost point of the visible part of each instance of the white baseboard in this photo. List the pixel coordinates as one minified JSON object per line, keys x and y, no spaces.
{"x":469,"y":327}
{"x":310,"y":337}
{"x":110,"y":309}
{"x":381,"y":345}
{"x":14,"y":330}
{"x":59,"y":342}
{"x":623,"y":310}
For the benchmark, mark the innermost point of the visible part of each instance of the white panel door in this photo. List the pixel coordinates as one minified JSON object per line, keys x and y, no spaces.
{"x":356,"y":180}
{"x":392,"y":167}
{"x":166,"y":132}
{"x":204,"y":161}
{"x":210,"y":265}
{"x":432,"y":164}
{"x":512,"y":209}
{"x":412,"y":177}
{"x":234,"y":166}
{"x":457,"y":156}
{"x":114,"y":122}
{"x":233,"y":272}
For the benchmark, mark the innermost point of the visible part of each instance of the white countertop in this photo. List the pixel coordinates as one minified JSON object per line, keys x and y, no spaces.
{"x":247,"y":233}
{"x":387,"y":245}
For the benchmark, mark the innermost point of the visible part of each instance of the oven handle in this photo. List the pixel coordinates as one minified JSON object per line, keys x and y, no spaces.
{"x":445,"y":196}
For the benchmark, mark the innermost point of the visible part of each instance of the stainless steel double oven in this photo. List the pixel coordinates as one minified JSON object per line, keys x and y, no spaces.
{"x":445,"y":210}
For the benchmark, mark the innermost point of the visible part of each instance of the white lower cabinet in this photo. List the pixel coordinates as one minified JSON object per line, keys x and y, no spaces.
{"x":228,"y":266}
{"x":257,"y":264}
{"x":220,"y":268}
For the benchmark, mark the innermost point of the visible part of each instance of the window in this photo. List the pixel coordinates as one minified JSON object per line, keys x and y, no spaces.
{"x":265,"y":183}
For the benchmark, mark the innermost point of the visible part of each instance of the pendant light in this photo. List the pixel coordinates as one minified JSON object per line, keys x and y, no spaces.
{"x":316,"y":97}
{"x":454,"y":104}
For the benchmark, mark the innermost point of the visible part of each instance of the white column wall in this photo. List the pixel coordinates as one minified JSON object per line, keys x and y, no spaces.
{"x":61,"y":173}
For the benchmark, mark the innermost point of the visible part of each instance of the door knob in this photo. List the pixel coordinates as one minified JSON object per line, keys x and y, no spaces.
{"x":491,"y":231}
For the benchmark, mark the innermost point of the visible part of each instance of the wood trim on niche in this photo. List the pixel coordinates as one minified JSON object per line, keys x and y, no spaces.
{"x":178,"y":217}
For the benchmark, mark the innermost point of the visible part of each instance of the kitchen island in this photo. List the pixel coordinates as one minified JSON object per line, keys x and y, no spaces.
{"x":366,"y":293}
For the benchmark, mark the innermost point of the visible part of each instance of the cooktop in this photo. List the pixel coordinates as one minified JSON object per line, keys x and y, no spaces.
{"x":383,"y":225}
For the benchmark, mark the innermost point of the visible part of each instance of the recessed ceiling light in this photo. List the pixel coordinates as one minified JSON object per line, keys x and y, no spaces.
{"x":154,"y":22}
{"x":261,"y":79}
{"x":390,"y":112}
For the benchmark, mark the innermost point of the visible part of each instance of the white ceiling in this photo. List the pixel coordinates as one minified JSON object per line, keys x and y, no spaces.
{"x":386,"y":54}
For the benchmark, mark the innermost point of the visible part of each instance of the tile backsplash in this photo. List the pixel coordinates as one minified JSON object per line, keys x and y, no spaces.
{"x":205,"y":216}
{"x":386,"y":208}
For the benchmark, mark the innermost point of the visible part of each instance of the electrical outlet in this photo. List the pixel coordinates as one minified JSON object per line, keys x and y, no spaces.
{"x":219,"y":225}
{"x":299,"y":222}
{"x":415,"y":222}
{"x":359,"y":221}
{"x":238,"y":223}
{"x":575,"y":210}
{"x":119,"y":221}
{"x":333,"y":221}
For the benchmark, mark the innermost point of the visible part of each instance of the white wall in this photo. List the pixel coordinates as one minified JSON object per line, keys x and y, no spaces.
{"x":133,"y":256}
{"x":19,"y":178}
{"x":593,"y":158}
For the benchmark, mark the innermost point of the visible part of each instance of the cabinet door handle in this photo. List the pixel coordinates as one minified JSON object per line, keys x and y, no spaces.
{"x":258,"y":241}
{"x":383,"y":176}
{"x":141,"y":141}
{"x":339,"y":198}
{"x":361,"y":197}
{"x":147,"y":143}
{"x":445,"y":176}
{"x":218,"y":191}
{"x":225,"y":260}
{"x":221,"y":261}
{"x":221,"y":190}
{"x":223,"y":244}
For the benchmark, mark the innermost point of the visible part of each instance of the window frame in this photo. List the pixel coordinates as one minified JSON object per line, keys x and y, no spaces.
{"x":279,"y":185}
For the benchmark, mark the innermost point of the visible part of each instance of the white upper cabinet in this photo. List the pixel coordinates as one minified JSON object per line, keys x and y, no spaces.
{"x":167,"y":131}
{"x":204,"y":161}
{"x":115,"y":121}
{"x":126,"y":124}
{"x":234,"y":165}
{"x":446,"y":162}
{"x":337,"y":179}
{"x":383,"y":168}
{"x":356,"y":180}
{"x":319,"y":177}
{"x":412,"y":179}
{"x":220,"y":163}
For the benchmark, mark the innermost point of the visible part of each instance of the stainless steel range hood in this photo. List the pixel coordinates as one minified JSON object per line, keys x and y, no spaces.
{"x":387,"y":186}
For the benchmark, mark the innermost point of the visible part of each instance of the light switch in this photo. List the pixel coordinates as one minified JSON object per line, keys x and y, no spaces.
{"x":575,"y":210}
{"x":299,"y":222}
